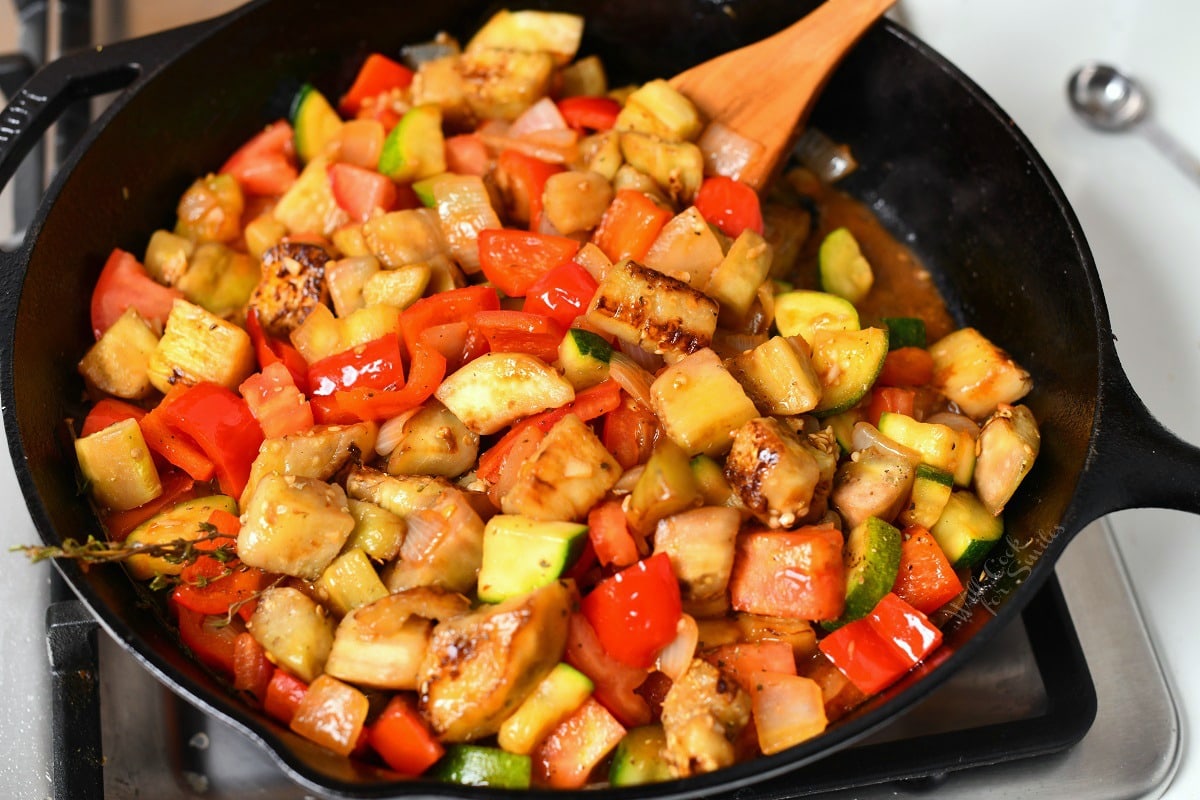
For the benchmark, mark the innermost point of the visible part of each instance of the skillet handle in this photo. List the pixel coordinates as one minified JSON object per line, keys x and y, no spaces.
{"x":1136,"y":462}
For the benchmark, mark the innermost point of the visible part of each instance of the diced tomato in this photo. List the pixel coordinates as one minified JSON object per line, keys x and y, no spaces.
{"x":630,"y":226}
{"x":284,"y":694}
{"x":274,"y":400}
{"x":634,"y":613}
{"x":874,"y":652}
{"x":566,"y":757}
{"x":177,"y":486}
{"x":265,"y":165}
{"x":211,"y":640}
{"x":402,"y":739}
{"x":520,"y":332}
{"x":730,"y":205}
{"x":374,"y":365}
{"x":609,"y":533}
{"x":216,"y":596}
{"x":615,"y":682}
{"x":589,"y":113}
{"x":456,"y":305}
{"x":175,"y":447}
{"x":906,"y":366}
{"x":466,"y":154}
{"x":359,"y":191}
{"x":926,"y":581}
{"x":363,"y":403}
{"x":107,"y":412}
{"x":252,"y":670}
{"x":270,"y":351}
{"x":523,"y":178}
{"x":562,"y":294}
{"x":124,"y":283}
{"x":514,"y":260}
{"x":221,"y":424}
{"x":377,"y":74}
{"x":630,"y":431}
{"x":746,"y":661}
{"x":890,"y":399}
{"x":798,"y":574}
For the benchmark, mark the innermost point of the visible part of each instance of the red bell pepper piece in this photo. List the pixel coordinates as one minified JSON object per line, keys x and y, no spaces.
{"x":466,"y":154}
{"x":284,"y":694}
{"x":875,"y":651}
{"x":562,"y":294}
{"x":460,"y":343}
{"x":615,"y":683}
{"x":520,"y":332}
{"x":891,"y":399}
{"x":274,"y":400}
{"x":221,"y":424}
{"x":124,"y":283}
{"x":177,"y":486}
{"x":523,"y":178}
{"x":629,"y":433}
{"x":630,"y":226}
{"x":634,"y":613}
{"x":209,"y":638}
{"x":374,"y":365}
{"x":925,"y":581}
{"x":363,"y":403}
{"x":514,"y":260}
{"x":906,"y":366}
{"x":265,"y":165}
{"x":456,"y":305}
{"x":252,"y":670}
{"x":730,"y":205}
{"x":205,"y":587}
{"x":608,"y":531}
{"x":798,"y":574}
{"x":402,"y":739}
{"x":359,"y":191}
{"x":108,"y":412}
{"x":175,"y":447}
{"x":377,"y":74}
{"x":566,"y":757}
{"x":589,"y":113}
{"x":745,"y":661}
{"x":270,"y":351}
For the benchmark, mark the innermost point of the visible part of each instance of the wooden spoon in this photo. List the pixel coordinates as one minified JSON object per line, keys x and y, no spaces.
{"x":763,"y":91}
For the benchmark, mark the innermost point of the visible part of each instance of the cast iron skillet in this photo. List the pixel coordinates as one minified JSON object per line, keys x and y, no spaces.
{"x":944,"y":168}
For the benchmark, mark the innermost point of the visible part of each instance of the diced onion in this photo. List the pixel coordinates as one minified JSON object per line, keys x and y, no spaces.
{"x":541,"y":116}
{"x":676,"y":656}
{"x":628,"y":480}
{"x":826,"y":158}
{"x":727,"y":152}
{"x":632,"y":376}
{"x":392,"y":431}
{"x":867,"y":435}
{"x":551,"y":146}
{"x":788,"y":709}
{"x":956,"y":422}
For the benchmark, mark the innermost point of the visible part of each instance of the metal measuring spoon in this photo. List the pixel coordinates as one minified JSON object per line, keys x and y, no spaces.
{"x":1109,"y":100}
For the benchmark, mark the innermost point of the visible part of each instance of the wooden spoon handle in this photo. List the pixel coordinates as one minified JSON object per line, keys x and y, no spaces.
{"x":764,"y":90}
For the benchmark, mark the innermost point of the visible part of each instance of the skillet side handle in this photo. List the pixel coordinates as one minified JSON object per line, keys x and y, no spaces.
{"x":1135,"y":461}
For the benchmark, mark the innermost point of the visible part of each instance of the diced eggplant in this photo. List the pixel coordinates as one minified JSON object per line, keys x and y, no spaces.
{"x":295,"y":526}
{"x":874,"y":483}
{"x":350,"y":581}
{"x":678,"y":167}
{"x":1008,"y":444}
{"x":601,"y":153}
{"x":346,"y":279}
{"x":199,"y":346}
{"x":535,"y":31}
{"x":432,"y":442}
{"x":497,"y":389}
{"x":575,"y":201}
{"x":211,"y":210}
{"x":500,"y":84}
{"x":319,"y":452}
{"x":294,"y":630}
{"x":399,"y":238}
{"x":291,"y":286}
{"x":798,"y":633}
{"x":568,"y":474}
{"x":309,"y":205}
{"x":779,"y":376}
{"x":400,"y":494}
{"x":119,"y":362}
{"x":167,"y":256}
{"x":736,"y":278}
{"x":976,"y":374}
{"x":699,"y":403}
{"x":584,"y":77}
{"x":658,"y":109}
{"x":773,"y":471}
{"x":687,"y":249}
{"x":464,"y":208}
{"x":666,"y":486}
{"x":377,"y":532}
{"x":118,"y":466}
{"x":399,"y":287}
{"x":219,"y":279}
{"x":703,"y":715}
{"x":700,"y":544}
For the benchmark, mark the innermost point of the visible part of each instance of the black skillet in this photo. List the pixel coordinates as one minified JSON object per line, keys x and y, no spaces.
{"x":943,"y":167}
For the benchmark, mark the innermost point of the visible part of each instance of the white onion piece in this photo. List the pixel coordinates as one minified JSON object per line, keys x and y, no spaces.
{"x":631,"y":377}
{"x":392,"y":431}
{"x":451,"y":513}
{"x":727,"y":152}
{"x":628,"y":480}
{"x":867,"y":435}
{"x":554,"y":147}
{"x":676,"y":656}
{"x":728,"y":344}
{"x":956,"y":422}
{"x":827,"y":159}
{"x":541,"y":116}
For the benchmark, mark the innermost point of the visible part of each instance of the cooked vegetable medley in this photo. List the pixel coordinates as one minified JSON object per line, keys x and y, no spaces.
{"x":514,"y":441}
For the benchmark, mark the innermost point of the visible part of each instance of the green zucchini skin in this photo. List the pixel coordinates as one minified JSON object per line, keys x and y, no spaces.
{"x":872,"y":563}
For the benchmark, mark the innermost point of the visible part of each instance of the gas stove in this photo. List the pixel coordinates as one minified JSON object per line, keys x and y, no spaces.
{"x":1070,"y":701}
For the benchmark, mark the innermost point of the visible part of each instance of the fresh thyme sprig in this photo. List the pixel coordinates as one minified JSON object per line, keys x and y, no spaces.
{"x":99,"y":551}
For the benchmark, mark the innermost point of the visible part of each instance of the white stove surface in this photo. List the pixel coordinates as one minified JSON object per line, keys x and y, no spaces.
{"x":1141,"y":220}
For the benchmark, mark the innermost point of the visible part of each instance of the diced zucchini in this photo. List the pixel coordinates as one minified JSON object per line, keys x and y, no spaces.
{"x":584,"y":77}
{"x":539,"y":31}
{"x":424,"y":188}
{"x":640,"y":758}
{"x":294,"y":630}
{"x":700,"y":544}
{"x":779,"y":377}
{"x":377,"y":531}
{"x":476,"y":765}
{"x":119,"y":362}
{"x":560,"y":693}
{"x":399,"y":238}
{"x":350,"y":581}
{"x":1008,"y":445}
{"x":735,"y":280}
{"x":676,"y":166}
{"x":710,"y":480}
{"x":180,"y":521}
{"x":433,"y":442}
{"x":576,"y":201}
{"x":295,"y":526}
{"x":843,"y":269}
{"x":803,"y":313}
{"x":658,"y":109}
{"x":683,"y":395}
{"x":199,"y":346}
{"x":415,"y":148}
{"x":500,"y":84}
{"x":346,"y":279}
{"x":847,"y":363}
{"x":666,"y":486}
{"x":167,"y":256}
{"x":905,"y":332}
{"x":774,"y":473}
{"x":966,"y":530}
{"x":584,"y":357}
{"x":522,"y":554}
{"x":874,"y":483}
{"x":872,"y":563}
{"x":976,"y":374}
{"x":464,"y":208}
{"x":497,"y":389}
{"x":568,"y":473}
{"x":654,"y":311}
{"x":314,"y":122}
{"x":308,"y":206}
{"x":686,"y":249}
{"x":930,"y":492}
{"x":633,"y":179}
{"x":939,"y":445}
{"x":219,"y":279}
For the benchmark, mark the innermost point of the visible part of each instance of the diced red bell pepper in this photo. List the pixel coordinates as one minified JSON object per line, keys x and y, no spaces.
{"x":265,"y":165}
{"x":514,"y":260}
{"x":460,"y":343}
{"x":204,"y":585}
{"x":252,"y":670}
{"x":875,"y":651}
{"x":175,"y":447}
{"x":108,"y":412}
{"x":124,"y":283}
{"x":456,"y":305}
{"x":629,"y":433}
{"x":374,"y":365}
{"x":211,"y":640}
{"x":270,"y":351}
{"x":177,"y":486}
{"x":630,"y":226}
{"x":798,"y":574}
{"x":377,"y":74}
{"x":926,"y":581}
{"x":890,"y":399}
{"x":274,"y":400}
{"x":219,"y":421}
{"x":466,"y":154}
{"x":634,"y":613}
{"x":284,"y":694}
{"x":589,"y":113}
{"x":906,"y":366}
{"x":562,"y":294}
{"x":566,"y":757}
{"x":746,"y":661}
{"x":523,"y":178}
{"x":362,"y":403}
{"x":615,"y":683}
{"x":730,"y":205}
{"x":359,"y":191}
{"x":608,"y":530}
{"x":402,"y":739}
{"x":520,"y":332}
